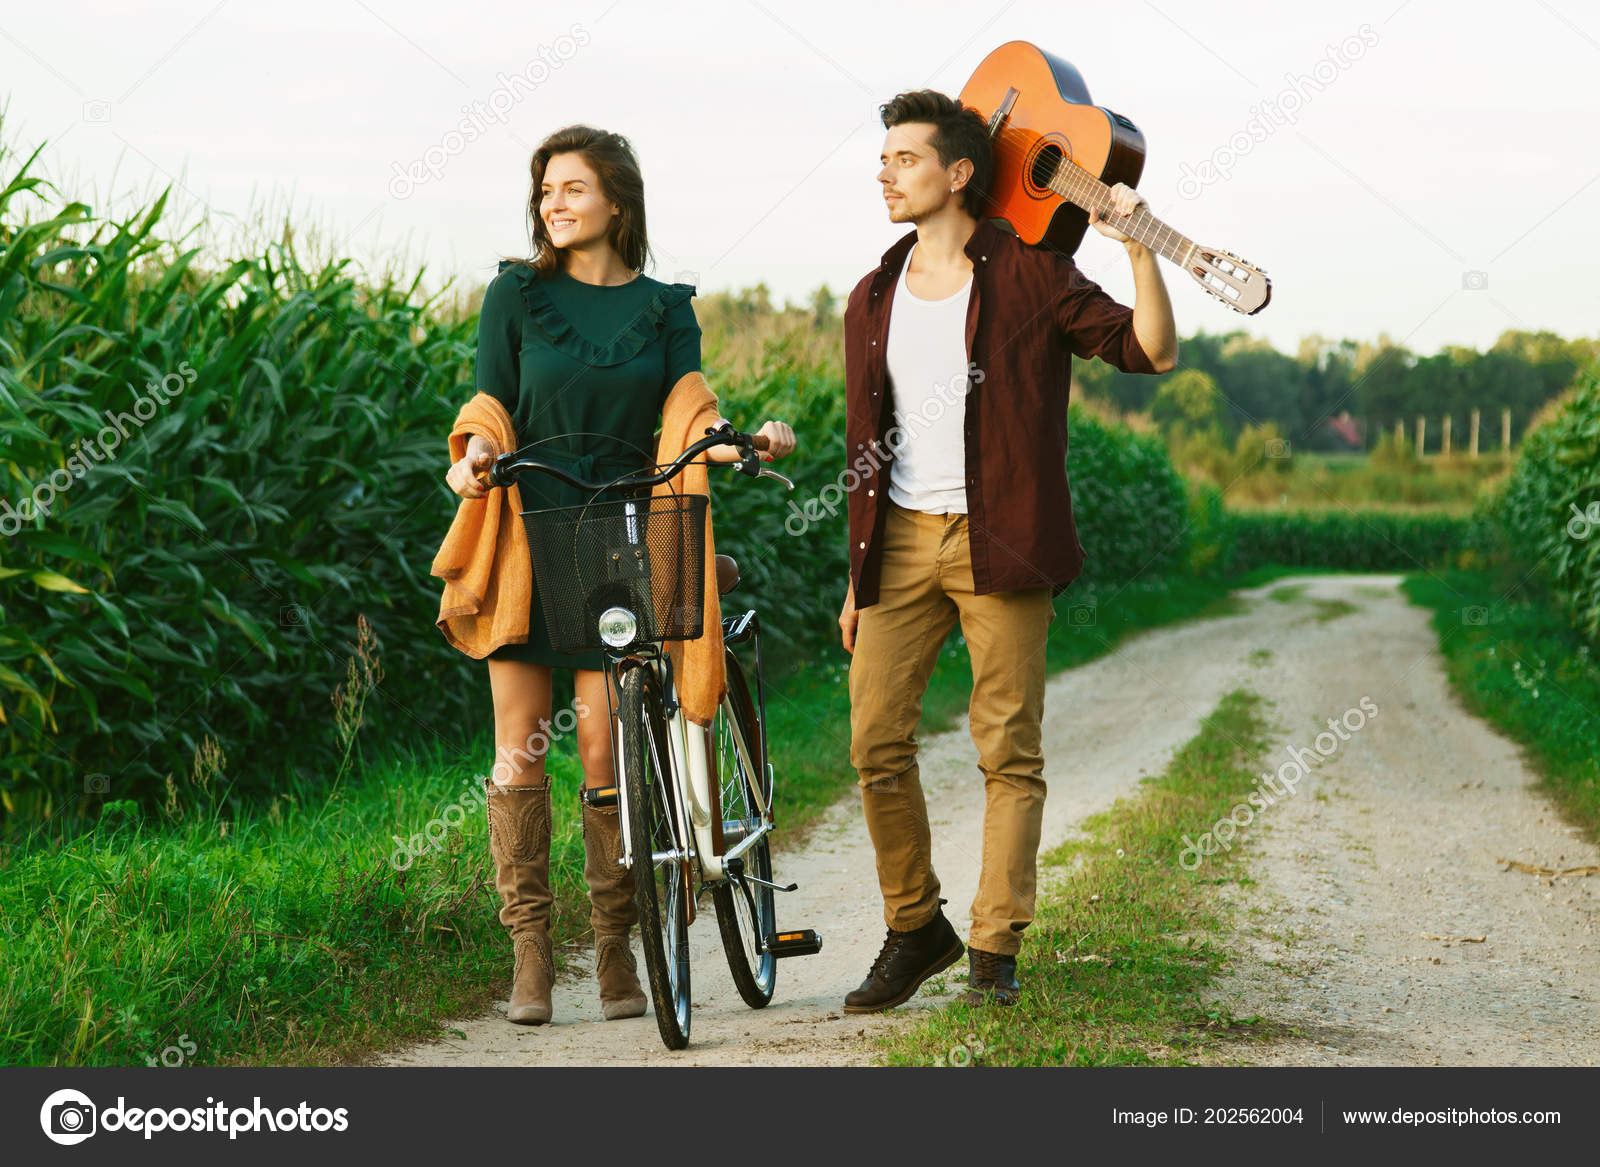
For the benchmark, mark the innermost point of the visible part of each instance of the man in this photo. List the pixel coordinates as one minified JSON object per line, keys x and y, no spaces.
{"x":956,"y":369}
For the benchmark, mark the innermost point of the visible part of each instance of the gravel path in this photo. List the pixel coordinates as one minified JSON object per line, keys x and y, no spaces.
{"x":1384,"y":928}
{"x":1392,"y":836}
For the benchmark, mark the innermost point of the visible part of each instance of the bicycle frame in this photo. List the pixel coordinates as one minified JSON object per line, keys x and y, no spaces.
{"x":689,"y":789}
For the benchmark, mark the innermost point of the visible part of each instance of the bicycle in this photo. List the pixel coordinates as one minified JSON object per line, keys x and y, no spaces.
{"x":622,"y":577}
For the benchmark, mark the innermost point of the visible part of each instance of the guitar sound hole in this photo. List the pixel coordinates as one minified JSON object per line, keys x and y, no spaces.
{"x":1043,"y":169}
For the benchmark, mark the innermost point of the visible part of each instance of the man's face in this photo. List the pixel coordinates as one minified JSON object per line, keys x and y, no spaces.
{"x":914,"y":184}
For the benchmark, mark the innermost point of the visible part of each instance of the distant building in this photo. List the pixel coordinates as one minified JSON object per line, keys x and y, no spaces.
{"x":1344,"y":432}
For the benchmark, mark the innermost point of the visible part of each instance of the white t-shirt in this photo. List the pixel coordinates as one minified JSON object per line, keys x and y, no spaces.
{"x":927,"y":365}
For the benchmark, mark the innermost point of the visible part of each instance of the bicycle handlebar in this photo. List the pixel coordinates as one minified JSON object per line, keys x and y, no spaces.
{"x":508,"y":466}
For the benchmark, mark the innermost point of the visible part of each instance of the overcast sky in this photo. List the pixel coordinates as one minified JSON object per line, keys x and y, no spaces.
{"x":1431,"y":139}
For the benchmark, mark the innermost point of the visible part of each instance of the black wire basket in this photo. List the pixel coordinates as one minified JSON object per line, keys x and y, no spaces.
{"x":644,"y":554}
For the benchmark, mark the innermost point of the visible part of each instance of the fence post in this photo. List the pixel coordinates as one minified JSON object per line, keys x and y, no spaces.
{"x":1422,"y":433}
{"x":1505,"y":431}
{"x":1473,"y":440}
{"x":1444,"y":437}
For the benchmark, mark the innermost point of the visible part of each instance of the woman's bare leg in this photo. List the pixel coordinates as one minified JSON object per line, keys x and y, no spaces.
{"x":521,"y":693}
{"x":594,"y":727}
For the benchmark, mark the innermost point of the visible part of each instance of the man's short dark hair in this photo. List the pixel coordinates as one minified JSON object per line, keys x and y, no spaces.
{"x":959,"y":131}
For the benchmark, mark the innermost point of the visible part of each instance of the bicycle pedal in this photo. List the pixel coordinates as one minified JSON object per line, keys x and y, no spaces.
{"x":795,"y":942}
{"x":599,"y":796}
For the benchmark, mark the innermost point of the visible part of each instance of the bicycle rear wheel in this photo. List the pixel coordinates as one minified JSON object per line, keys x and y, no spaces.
{"x":746,"y":915}
{"x":659,"y":856}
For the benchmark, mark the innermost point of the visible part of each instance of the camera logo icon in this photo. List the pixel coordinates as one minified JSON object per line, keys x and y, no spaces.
{"x":1474,"y":281}
{"x":68,"y":1117}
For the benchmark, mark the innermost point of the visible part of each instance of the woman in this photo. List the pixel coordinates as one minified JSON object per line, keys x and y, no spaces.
{"x":577,"y":341}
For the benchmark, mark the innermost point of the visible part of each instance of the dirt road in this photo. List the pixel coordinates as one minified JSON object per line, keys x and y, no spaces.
{"x":1393,"y":835}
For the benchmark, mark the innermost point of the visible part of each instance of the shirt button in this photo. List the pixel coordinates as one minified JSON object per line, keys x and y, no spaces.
{"x":863,"y":546}
{"x":870,"y":493}
{"x":986,"y":259}
{"x":874,"y":343}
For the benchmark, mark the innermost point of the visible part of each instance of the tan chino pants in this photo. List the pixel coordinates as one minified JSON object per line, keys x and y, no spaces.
{"x":925,"y":587}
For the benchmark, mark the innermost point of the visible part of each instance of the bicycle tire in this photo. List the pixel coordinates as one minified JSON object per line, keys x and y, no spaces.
{"x":744,"y":934}
{"x":658,"y":888}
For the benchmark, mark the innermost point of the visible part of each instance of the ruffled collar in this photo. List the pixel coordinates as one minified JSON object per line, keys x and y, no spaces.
{"x":645,"y":326}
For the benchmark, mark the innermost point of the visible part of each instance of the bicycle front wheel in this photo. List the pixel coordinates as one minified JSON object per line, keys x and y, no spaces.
{"x":659,"y":856}
{"x":745,"y":914}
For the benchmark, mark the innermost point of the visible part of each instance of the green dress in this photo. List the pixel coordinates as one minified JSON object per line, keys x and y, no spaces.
{"x":596,"y":362}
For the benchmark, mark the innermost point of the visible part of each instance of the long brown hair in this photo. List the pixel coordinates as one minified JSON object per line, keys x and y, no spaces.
{"x":614,"y":164}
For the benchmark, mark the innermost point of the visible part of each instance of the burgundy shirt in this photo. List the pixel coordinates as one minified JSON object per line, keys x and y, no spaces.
{"x":1031,"y":310}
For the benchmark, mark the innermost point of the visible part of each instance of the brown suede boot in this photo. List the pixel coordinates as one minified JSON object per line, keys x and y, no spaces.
{"x":519,"y":843}
{"x":612,"y":913}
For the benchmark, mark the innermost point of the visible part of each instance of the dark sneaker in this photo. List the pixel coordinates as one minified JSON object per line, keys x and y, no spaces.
{"x":991,"y":979}
{"x":905,"y":961}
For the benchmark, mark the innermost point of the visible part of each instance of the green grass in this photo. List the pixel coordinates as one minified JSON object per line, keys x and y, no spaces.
{"x":1325,"y":610}
{"x":282,"y":938}
{"x":1322,"y":610}
{"x":1123,"y":946}
{"x":286,"y":936}
{"x":1329,"y":481}
{"x":1516,"y":663}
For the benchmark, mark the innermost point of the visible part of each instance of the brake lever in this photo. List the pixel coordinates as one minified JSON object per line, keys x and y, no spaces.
{"x":765,"y":473}
{"x":750,"y":464}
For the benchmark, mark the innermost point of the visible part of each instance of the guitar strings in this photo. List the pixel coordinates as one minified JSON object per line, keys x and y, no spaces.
{"x":1086,"y":188}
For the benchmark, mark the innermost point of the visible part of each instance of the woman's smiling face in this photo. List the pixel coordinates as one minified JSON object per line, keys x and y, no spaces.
{"x":574,"y":208}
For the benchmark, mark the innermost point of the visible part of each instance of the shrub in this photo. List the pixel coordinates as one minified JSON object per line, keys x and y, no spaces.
{"x":1232,"y":542}
{"x":1127,"y":500}
{"x":197,"y":563}
{"x":1549,"y":508}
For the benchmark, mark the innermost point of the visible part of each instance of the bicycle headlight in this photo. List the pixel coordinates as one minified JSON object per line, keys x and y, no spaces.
{"x":618,"y":627}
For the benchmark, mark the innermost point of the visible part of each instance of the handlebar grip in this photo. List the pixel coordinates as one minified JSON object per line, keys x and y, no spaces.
{"x":760,"y":441}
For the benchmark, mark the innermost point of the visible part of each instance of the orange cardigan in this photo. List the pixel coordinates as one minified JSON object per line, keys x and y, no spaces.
{"x":488,"y":572}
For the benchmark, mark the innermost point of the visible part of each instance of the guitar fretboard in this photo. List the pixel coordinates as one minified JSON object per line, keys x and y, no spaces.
{"x":1075,"y":184}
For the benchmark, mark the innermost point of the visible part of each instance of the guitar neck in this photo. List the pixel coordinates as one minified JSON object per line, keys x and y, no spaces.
{"x":1075,"y":184}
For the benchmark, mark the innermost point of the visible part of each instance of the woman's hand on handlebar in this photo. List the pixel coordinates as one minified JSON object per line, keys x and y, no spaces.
{"x":780,"y":441}
{"x":462,"y":477}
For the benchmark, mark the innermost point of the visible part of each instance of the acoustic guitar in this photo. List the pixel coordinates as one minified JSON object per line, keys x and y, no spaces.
{"x":1057,"y":154}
